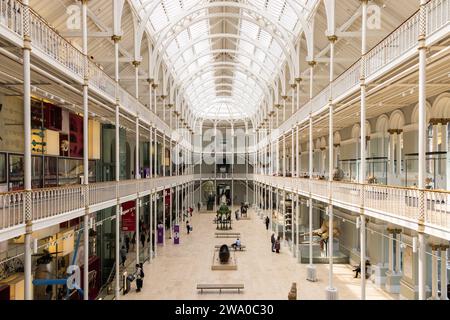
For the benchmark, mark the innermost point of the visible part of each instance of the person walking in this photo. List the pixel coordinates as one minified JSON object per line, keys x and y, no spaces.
{"x":142,"y":239}
{"x":138,"y":277}
{"x":272,"y":240}
{"x":123,"y":255}
{"x":267,"y":222}
{"x":199,"y":206}
{"x":127,"y":242}
{"x":277,"y":245}
{"x":188,"y":227}
{"x":133,"y":240}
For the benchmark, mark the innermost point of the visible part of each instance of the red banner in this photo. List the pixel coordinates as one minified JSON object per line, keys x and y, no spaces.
{"x":129,"y":217}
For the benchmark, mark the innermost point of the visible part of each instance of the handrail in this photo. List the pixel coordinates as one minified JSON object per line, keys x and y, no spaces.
{"x":409,"y":26}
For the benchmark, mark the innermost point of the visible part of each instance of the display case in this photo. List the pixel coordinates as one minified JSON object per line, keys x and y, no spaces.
{"x":69,"y":171}
{"x":50,"y":172}
{"x":37,"y":172}
{"x":435,"y":170}
{"x":376,"y":170}
{"x":3,"y":174}
{"x":15,"y":172}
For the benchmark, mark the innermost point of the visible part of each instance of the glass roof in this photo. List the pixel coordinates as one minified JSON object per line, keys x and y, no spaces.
{"x":222,"y":81}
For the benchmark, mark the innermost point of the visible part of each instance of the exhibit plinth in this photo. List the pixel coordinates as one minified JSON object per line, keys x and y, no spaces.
{"x":217,"y":265}
{"x":311,"y":273}
{"x":331,"y":293}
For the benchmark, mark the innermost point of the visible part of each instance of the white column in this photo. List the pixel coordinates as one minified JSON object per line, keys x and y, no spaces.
{"x":150,"y":228}
{"x":284,"y":155}
{"x":444,"y":249}
{"x":391,"y":253}
{"x":292,"y":152}
{"x":363,"y":256}
{"x":391,"y":152}
{"x":297,"y":217}
{"x":28,"y":295}
{"x":137,"y":177}
{"x":311,"y":268}
{"x":398,"y":252}
{"x":422,"y":265}
{"x":85,"y":151}
{"x":399,"y":154}
{"x":434,"y":271}
{"x":362,"y":174}
{"x":117,"y":163}
{"x":422,"y":143}
{"x":155,"y":224}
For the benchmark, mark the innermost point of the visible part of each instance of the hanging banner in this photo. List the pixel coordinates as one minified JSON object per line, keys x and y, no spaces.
{"x":160,"y":233}
{"x":176,"y":234}
{"x":129,"y":216}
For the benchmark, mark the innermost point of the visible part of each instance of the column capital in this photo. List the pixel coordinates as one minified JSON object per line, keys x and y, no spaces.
{"x":293,"y":85}
{"x":136,"y":63}
{"x":444,"y":246}
{"x":284,"y":97}
{"x":434,"y":247}
{"x":149,"y":80}
{"x":116,"y":38}
{"x":298,"y":80}
{"x":154,"y":85}
{"x":332,"y":38}
{"x":312,"y":63}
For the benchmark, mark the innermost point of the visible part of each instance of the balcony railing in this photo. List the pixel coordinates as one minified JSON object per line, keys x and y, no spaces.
{"x":393,"y":47}
{"x":54,"y":46}
{"x":51,"y":202}
{"x":397,"y":202}
{"x":11,"y":15}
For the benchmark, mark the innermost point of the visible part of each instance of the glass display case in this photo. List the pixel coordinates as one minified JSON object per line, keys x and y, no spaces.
{"x":69,"y":171}
{"x":92,"y":171}
{"x":3,"y":174}
{"x":435,"y":170}
{"x":50,"y":172}
{"x":36,"y":172}
{"x":376,"y":170}
{"x":16,"y":178}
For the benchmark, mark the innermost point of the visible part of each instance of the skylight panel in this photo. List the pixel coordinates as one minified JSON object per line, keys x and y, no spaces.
{"x":199,"y":29}
{"x":183,"y":38}
{"x":172,"y":7}
{"x":246,"y":46}
{"x":201,"y":46}
{"x":172,"y":49}
{"x":159,"y":18}
{"x":265,"y":38}
{"x":249,"y":29}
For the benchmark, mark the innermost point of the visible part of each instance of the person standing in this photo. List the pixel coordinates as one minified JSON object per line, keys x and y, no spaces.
{"x":143,"y":239}
{"x":277,"y":245}
{"x":267,"y":222}
{"x":123,"y":255}
{"x":272,"y":240}
{"x":188,"y":227}
{"x":127,"y":242}
{"x":198,"y":206}
{"x":138,"y":277}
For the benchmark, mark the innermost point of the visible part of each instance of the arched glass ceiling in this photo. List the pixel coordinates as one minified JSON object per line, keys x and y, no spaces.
{"x":231,"y":35}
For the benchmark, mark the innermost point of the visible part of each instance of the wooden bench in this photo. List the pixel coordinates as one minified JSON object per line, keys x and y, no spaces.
{"x":241,"y":249}
{"x":220,"y":287}
{"x":227,"y":234}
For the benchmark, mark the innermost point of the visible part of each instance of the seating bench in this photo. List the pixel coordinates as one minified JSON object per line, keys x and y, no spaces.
{"x":227,"y":234}
{"x":241,"y":249}
{"x":237,"y":287}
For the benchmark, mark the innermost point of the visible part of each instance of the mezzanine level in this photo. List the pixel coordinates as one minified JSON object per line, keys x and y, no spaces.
{"x":55,"y":205}
{"x":396,"y":205}
{"x":383,"y":64}
{"x":60,"y":59}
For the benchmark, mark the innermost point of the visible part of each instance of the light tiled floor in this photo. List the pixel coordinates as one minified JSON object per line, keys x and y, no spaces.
{"x":179,"y":268}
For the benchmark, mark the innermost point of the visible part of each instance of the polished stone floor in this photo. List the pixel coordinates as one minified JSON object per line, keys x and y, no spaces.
{"x":177,"y":270}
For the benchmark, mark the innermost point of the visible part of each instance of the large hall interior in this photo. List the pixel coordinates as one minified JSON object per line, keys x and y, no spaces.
{"x":225,"y":150}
